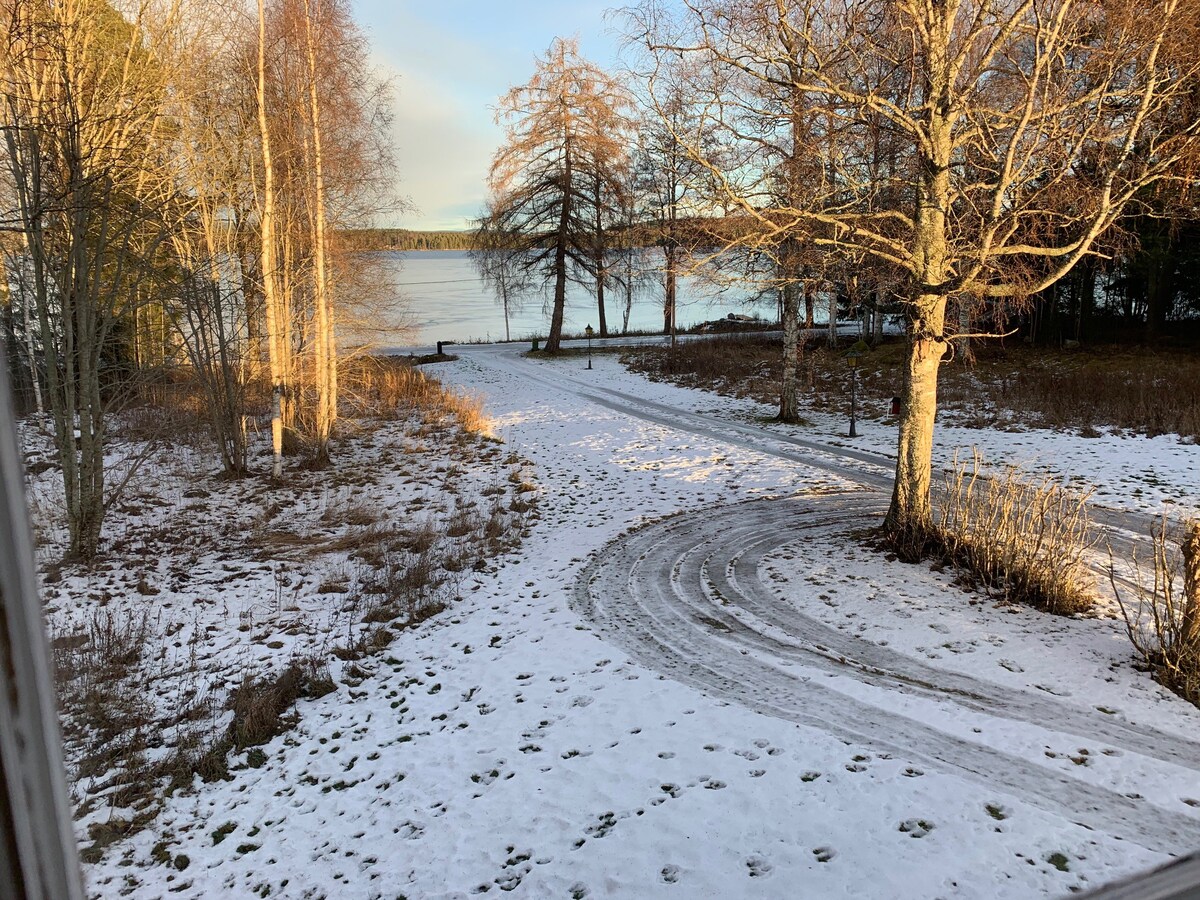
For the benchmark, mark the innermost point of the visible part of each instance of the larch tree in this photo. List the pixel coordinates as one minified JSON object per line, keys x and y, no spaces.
{"x":1024,"y":128}
{"x":558,"y":172}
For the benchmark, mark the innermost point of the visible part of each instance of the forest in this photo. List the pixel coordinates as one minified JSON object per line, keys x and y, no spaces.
{"x":402,"y":239}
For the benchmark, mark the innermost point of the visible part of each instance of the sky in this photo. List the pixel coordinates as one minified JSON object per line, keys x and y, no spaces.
{"x":450,"y":61}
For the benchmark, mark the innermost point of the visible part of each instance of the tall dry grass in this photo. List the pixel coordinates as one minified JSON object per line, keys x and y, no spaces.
{"x":390,"y":387}
{"x":1027,"y":540}
{"x":1162,"y":617}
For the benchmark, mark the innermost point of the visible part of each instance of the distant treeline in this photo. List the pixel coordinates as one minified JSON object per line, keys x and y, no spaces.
{"x":404,"y":239}
{"x":692,"y":231}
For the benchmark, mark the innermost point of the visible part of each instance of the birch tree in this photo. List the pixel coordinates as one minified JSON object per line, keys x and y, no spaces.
{"x":82,"y":91}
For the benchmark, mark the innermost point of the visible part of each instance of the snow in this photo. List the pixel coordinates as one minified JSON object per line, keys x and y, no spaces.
{"x":517,"y":743}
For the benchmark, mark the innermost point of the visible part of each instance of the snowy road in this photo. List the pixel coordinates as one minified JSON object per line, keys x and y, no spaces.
{"x":692,"y":680}
{"x":685,"y":597}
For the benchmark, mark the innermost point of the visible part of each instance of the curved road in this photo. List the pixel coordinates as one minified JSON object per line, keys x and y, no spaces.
{"x":683,"y":596}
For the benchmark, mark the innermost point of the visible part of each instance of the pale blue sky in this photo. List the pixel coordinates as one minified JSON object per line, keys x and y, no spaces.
{"x":451,"y":61}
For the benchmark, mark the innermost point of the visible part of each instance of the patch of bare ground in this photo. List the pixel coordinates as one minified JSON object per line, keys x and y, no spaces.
{"x":1005,"y":385}
{"x":218,"y":603}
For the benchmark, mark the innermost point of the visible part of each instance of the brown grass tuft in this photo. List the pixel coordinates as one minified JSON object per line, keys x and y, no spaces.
{"x":1163,"y":618}
{"x":1026,"y":540}
{"x":389,"y":387}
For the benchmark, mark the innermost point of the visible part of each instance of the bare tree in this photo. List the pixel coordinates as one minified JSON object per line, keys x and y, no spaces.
{"x":500,"y":270}
{"x":1024,"y":129}
{"x":82,"y":90}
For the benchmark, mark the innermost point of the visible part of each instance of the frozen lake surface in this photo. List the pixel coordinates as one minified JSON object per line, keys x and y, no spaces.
{"x":447,"y":301}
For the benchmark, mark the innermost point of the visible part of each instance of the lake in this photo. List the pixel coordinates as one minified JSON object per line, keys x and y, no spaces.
{"x":447,"y":301}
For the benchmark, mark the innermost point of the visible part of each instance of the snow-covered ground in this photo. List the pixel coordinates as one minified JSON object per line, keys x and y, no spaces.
{"x":739,"y":701}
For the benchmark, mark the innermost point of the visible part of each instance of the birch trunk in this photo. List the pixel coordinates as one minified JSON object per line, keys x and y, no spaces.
{"x":326,"y":350}
{"x":910,"y":516}
{"x":270,"y":269}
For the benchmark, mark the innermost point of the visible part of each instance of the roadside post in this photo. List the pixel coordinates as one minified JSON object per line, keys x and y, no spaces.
{"x":852,"y":357}
{"x":589,"y":332}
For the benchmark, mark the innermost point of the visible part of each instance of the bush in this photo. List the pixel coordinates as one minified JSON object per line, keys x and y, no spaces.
{"x":1026,"y":540}
{"x":1163,"y":621}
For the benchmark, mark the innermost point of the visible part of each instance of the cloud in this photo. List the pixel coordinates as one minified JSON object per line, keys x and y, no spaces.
{"x":453,"y":61}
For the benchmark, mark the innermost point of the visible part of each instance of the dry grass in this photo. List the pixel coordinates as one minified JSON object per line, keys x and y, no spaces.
{"x":390,"y":387}
{"x":384,"y":574}
{"x":1162,"y":617}
{"x":95,"y":668}
{"x":1131,"y":389}
{"x":1027,"y":541}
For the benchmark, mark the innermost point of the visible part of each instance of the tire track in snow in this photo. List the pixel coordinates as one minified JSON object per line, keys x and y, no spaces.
{"x":646,"y":592}
{"x":683,"y":597}
{"x":1122,"y":529}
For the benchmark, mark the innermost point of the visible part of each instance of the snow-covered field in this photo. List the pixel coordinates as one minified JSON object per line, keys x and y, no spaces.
{"x":738,"y":701}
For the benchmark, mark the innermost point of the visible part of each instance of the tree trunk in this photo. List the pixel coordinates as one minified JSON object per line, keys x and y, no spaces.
{"x":789,"y":406}
{"x":600,"y":304}
{"x":599,"y":254}
{"x":554,"y":339}
{"x":1189,"y":631}
{"x":504,"y":298}
{"x":833,"y":316}
{"x":628,"y":306}
{"x":670,"y":282}
{"x":911,"y":515}
{"x":270,"y":268}
{"x":325,"y":347}
{"x":8,"y":325}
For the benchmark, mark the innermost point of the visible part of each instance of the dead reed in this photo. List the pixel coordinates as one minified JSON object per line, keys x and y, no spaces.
{"x":1162,"y":616}
{"x":1026,"y":540}
{"x":390,"y":387}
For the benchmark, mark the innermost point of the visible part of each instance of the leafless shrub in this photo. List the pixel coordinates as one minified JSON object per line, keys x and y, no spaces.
{"x":463,"y":523}
{"x":372,"y":640}
{"x":1163,"y":618}
{"x":262,"y":707}
{"x":1027,"y":540}
{"x":97,"y":673}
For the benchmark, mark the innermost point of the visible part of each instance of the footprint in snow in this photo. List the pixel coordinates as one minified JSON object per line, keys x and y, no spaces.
{"x":670,"y":874}
{"x":758,"y":867}
{"x":916,"y":828}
